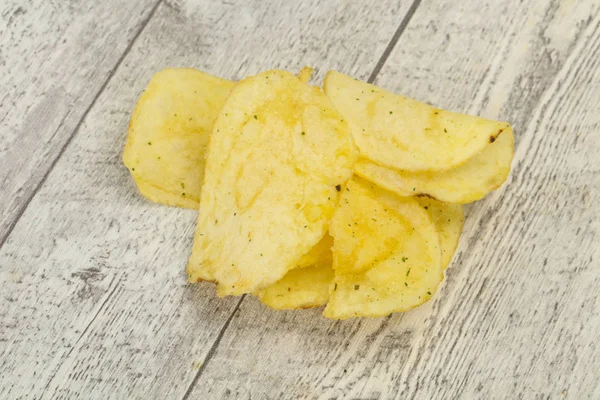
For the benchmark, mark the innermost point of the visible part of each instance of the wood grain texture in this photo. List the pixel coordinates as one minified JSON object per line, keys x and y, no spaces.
{"x":95,"y":300}
{"x":55,"y":57}
{"x":517,"y":315}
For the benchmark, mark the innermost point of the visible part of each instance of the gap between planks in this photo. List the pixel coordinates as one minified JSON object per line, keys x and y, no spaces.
{"x":112,"y":72}
{"x":382,"y":59}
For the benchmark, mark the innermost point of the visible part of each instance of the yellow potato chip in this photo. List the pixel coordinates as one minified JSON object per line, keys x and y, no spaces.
{"x":471,"y":181}
{"x":277,"y":152}
{"x":369,"y":225}
{"x":374,"y":280}
{"x":300,"y":288}
{"x":403,"y":134}
{"x":448,"y":220}
{"x":305,"y":286}
{"x":168,"y":134}
{"x":305,"y":74}
{"x":320,"y":254}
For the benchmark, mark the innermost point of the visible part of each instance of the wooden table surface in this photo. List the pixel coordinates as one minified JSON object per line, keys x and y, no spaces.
{"x":94,"y":299}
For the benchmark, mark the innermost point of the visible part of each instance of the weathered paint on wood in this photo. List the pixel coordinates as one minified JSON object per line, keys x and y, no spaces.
{"x":96,"y":303}
{"x":94,"y":299}
{"x":517,"y":316}
{"x":55,"y":58}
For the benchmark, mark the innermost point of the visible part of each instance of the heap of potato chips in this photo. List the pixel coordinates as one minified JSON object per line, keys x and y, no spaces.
{"x":349,"y":196}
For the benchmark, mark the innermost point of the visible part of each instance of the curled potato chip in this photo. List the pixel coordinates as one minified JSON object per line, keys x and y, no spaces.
{"x":373,"y":280}
{"x":300,"y":288}
{"x":305,"y":286}
{"x":471,"y":181}
{"x":404,"y":134}
{"x":278,"y":151}
{"x":320,"y":254}
{"x":448,"y":220}
{"x":305,"y":74}
{"x":369,"y":224}
{"x":168,"y":134}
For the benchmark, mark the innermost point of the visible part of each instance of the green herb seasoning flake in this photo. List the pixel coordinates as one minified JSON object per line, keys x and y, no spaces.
{"x":356,"y":287}
{"x":404,"y":259}
{"x":338,"y":187}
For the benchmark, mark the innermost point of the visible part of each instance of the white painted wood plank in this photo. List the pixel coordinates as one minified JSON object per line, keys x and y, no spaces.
{"x":96,"y":300}
{"x":534,"y":290}
{"x":517,"y":316}
{"x":55,"y":56}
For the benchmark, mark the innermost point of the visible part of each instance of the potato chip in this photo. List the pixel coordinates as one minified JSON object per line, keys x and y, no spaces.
{"x":365,"y":213}
{"x":277,"y":153}
{"x":472,"y":181}
{"x":305,"y":74}
{"x":320,"y":254}
{"x":406,"y":135}
{"x":160,"y":195}
{"x":374,"y":279}
{"x":300,"y":288}
{"x":305,"y":286}
{"x":168,"y":134}
{"x":448,"y":220}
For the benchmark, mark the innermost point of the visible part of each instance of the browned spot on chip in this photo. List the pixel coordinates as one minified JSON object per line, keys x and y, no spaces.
{"x":198,"y":280}
{"x":306,"y":306}
{"x":425,"y":195}
{"x":494,"y":137}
